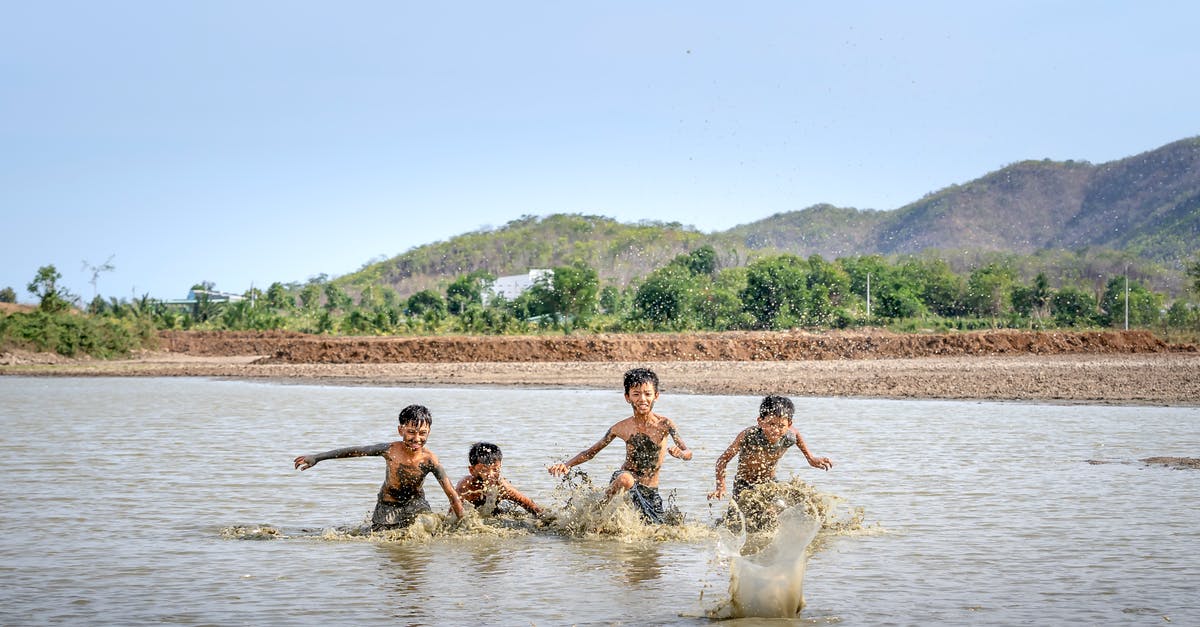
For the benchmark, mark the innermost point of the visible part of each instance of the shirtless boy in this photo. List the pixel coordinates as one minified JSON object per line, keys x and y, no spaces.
{"x":402,"y":496}
{"x":762,"y":446}
{"x":485,"y":480}
{"x":645,"y":435}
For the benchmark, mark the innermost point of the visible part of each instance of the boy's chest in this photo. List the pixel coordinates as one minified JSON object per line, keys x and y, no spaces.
{"x":408,"y":465}
{"x":656,"y":433}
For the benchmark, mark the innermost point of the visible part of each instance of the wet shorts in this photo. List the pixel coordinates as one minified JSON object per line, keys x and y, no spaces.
{"x":398,"y":514}
{"x":646,"y":500}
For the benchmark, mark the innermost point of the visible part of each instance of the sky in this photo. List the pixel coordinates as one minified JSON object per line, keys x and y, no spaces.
{"x":243,"y":142}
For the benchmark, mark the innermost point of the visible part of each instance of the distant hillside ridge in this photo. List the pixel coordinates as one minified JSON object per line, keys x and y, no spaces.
{"x":1147,"y":204}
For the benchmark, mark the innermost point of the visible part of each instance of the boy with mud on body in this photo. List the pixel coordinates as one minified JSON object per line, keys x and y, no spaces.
{"x":759,"y":448}
{"x":401,"y":497}
{"x":645,"y":435}
{"x":484,"y":481}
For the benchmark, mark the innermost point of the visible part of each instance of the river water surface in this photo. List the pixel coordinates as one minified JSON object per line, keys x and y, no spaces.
{"x":136,"y":501}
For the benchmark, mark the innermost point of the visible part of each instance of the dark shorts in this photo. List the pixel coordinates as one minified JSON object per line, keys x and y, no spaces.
{"x":646,"y":500}
{"x":398,"y":514}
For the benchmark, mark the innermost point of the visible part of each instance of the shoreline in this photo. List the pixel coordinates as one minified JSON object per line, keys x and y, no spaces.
{"x":1171,"y":378}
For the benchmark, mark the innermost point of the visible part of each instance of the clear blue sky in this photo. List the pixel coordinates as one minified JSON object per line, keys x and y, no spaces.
{"x":249,"y":142}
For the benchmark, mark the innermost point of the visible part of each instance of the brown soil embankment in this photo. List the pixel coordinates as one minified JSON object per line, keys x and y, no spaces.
{"x":743,"y":346}
{"x":1101,"y":367}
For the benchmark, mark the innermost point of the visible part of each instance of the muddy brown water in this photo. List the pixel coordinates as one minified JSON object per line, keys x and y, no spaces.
{"x":173,"y":500}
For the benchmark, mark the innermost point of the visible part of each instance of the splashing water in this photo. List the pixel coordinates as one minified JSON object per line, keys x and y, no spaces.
{"x":764,"y":540}
{"x":769,"y":583}
{"x":586,"y":512}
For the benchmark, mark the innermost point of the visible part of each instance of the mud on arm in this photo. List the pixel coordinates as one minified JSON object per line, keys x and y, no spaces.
{"x":680,"y":450}
{"x":722,"y":462}
{"x":560,"y":469}
{"x":305,"y":462}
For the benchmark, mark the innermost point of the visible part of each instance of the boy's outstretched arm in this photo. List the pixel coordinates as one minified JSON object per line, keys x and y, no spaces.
{"x":680,"y":450}
{"x":824,"y":463}
{"x":722,"y":462}
{"x":560,"y":469}
{"x":443,"y":480}
{"x":515,"y":495}
{"x":304,"y":462}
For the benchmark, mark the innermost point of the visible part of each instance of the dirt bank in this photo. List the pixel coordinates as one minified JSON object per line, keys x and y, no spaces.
{"x":740,"y":347}
{"x":1130,"y":367}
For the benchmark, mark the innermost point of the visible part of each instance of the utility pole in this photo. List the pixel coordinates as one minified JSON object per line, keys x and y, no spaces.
{"x":868,"y":298}
{"x":1126,"y":297}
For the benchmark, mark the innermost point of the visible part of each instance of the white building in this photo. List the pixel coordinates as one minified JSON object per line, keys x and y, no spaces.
{"x":510,"y":287}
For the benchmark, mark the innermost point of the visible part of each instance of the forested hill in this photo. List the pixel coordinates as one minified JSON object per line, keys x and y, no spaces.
{"x":1148,"y":204}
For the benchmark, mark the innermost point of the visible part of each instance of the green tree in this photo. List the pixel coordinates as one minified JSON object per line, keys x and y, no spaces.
{"x":336,"y":299}
{"x":1145,"y":306}
{"x":717,"y":302}
{"x":939,"y":289}
{"x":51,"y":297}
{"x":467,"y":290}
{"x":576,"y":291}
{"x":1072,"y":307}
{"x":702,"y":261}
{"x":278,"y":298}
{"x":1181,"y":314}
{"x":613,"y":300}
{"x":7,"y":295}
{"x":310,"y":295}
{"x":776,"y":291}
{"x":989,"y":290}
{"x":895,"y":297}
{"x":664,"y":298}
{"x":425,"y":302}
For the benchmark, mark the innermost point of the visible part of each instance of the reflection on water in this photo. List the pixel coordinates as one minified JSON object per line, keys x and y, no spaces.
{"x":136,"y":501}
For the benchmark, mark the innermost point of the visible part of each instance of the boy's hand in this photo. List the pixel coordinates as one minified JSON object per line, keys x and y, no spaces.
{"x":680,"y":453}
{"x":304,"y":462}
{"x":558,"y":470}
{"x":824,"y":463}
{"x":718,"y":493}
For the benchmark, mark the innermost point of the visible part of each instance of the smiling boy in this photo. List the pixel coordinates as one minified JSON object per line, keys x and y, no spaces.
{"x":401,"y":497}
{"x":759,"y":448}
{"x":645,"y":434}
{"x":484,"y":485}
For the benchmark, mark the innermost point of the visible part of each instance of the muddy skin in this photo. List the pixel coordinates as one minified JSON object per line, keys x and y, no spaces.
{"x":644,"y":455}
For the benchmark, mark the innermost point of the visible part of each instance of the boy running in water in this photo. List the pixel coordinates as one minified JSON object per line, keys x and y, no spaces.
{"x":485,"y":482}
{"x":401,"y":497}
{"x":759,"y":448}
{"x":645,"y":434}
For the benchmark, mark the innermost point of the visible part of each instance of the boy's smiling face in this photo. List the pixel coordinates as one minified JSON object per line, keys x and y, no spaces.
{"x":774,"y":427}
{"x":489,"y":473}
{"x":414,"y":435}
{"x":641,"y":397}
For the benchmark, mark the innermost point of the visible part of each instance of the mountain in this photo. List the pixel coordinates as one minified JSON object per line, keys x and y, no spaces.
{"x":1147,"y":204}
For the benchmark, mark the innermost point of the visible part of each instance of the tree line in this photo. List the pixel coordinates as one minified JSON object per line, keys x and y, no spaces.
{"x":692,"y":292}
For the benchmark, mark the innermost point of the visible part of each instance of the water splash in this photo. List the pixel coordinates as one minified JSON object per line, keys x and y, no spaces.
{"x":582,"y":510}
{"x":770,"y":582}
{"x":764,"y":540}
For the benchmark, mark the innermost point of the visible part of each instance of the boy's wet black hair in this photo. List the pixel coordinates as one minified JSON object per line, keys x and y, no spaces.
{"x":416,"y":415}
{"x":638,"y":376}
{"x":484,"y":453}
{"x":775,"y":405}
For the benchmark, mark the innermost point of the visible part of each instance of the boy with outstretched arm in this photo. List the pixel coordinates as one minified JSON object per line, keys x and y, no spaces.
{"x":759,"y":448}
{"x":402,"y":496}
{"x":484,"y":481}
{"x":645,"y":434}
